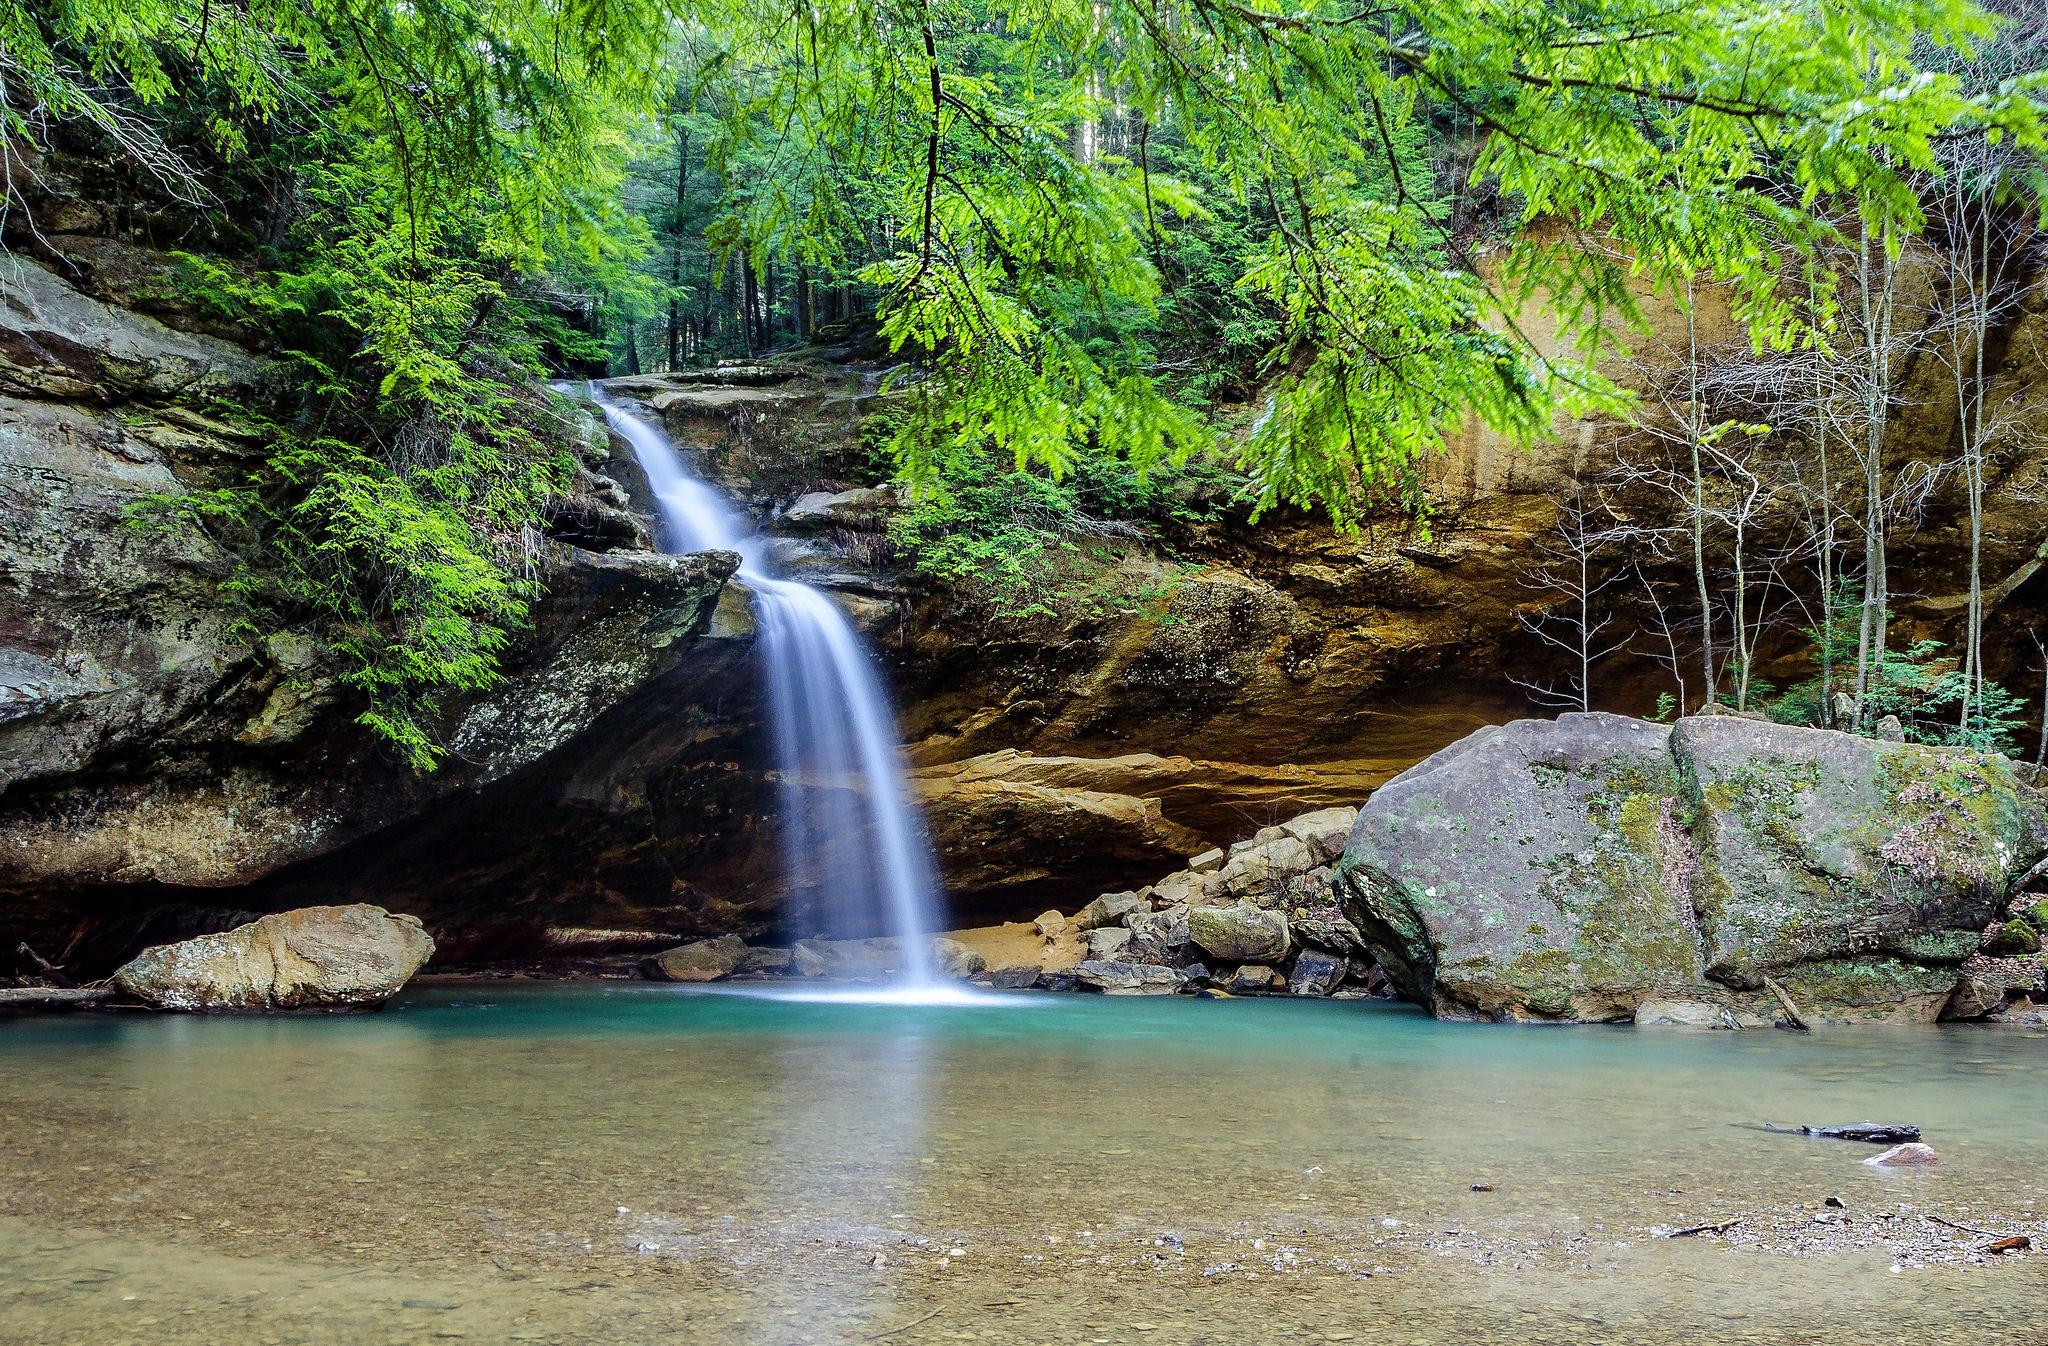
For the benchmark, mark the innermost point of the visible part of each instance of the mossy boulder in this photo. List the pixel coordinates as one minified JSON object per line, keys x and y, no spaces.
{"x":1534,"y":869}
{"x":1583,"y":867}
{"x":2014,"y":939}
{"x":1817,"y":845}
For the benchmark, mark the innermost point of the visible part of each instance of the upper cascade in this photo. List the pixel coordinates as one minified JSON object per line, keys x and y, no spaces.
{"x":855,"y":849}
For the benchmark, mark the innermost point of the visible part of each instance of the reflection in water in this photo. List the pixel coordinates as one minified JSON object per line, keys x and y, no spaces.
{"x":637,"y":1163}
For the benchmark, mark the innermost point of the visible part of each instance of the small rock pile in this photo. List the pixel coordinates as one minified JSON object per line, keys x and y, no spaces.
{"x":1262,"y":918}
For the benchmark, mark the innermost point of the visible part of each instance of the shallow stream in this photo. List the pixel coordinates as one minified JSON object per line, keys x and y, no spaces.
{"x":639,"y":1163}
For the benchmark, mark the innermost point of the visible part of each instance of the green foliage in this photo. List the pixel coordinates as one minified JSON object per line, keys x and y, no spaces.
{"x":1919,"y":685}
{"x":426,"y":165}
{"x":1018,"y":543}
{"x":1011,"y":180}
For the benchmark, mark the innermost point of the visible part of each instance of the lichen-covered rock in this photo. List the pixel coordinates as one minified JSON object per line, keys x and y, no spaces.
{"x":1240,"y":934}
{"x":704,"y":960}
{"x":1587,"y":867}
{"x":1535,"y":868}
{"x":1817,"y":845}
{"x":312,"y":958}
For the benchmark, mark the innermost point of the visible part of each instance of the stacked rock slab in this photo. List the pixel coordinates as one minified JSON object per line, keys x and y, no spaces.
{"x":1594,"y":866}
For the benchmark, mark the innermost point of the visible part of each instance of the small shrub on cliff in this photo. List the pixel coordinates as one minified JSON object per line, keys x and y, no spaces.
{"x":1920,"y":685}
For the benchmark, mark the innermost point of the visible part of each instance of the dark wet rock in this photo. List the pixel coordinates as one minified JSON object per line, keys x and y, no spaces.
{"x":1583,"y":867}
{"x":703,"y":960}
{"x":1017,"y":977}
{"x":1316,"y":973}
{"x":311,"y":958}
{"x":1126,"y":978}
{"x":1870,"y":1133}
{"x":1240,"y":934}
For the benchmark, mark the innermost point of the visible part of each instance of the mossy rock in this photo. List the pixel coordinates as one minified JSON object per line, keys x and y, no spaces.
{"x":1575,"y":869}
{"x":1818,"y":845}
{"x":2015,"y":939}
{"x":1537,"y":869}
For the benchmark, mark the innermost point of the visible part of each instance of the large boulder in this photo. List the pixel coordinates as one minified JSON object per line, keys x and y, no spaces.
{"x":313,"y":958}
{"x":1818,"y":846}
{"x":1535,"y":868}
{"x":1116,"y":978}
{"x":1584,"y":867}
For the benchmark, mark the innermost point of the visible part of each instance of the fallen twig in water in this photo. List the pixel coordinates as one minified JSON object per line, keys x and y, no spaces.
{"x":903,"y":1327}
{"x":1981,"y":1233}
{"x":1720,"y":1228}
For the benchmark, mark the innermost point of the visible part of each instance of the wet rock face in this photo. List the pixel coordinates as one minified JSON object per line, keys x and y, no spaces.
{"x":150,"y":754}
{"x":351,"y":957}
{"x":1593,"y":866}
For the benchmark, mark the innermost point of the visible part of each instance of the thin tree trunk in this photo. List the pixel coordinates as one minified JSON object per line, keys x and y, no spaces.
{"x":1699,"y":502}
{"x":1875,"y":300}
{"x":675,"y":255}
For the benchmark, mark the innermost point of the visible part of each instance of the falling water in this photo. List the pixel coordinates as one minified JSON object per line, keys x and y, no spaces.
{"x":850,"y":832}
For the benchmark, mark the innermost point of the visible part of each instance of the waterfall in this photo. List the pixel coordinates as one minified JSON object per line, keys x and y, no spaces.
{"x":851,"y":835}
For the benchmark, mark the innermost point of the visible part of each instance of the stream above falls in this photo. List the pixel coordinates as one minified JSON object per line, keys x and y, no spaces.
{"x":627,"y":1162}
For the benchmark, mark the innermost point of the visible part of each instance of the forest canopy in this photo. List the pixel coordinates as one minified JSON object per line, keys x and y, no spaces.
{"x":1075,"y":223}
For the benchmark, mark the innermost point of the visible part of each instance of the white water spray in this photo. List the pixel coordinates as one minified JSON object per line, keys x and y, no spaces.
{"x":851,"y":836}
